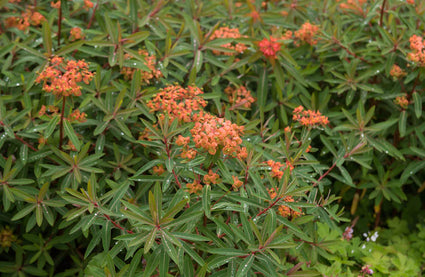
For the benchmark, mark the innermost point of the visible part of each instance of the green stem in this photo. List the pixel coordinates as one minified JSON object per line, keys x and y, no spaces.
{"x":61,"y":123}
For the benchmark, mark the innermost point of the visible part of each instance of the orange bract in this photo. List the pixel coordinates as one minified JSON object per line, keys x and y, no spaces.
{"x":309,"y":118}
{"x":212,"y":133}
{"x":76,"y":33}
{"x":62,"y":79}
{"x":418,"y":46}
{"x":269,"y":47}
{"x":239,"y":96}
{"x":225,"y":32}
{"x":194,"y":187}
{"x":402,"y":101}
{"x":397,"y":72}
{"x":77,"y":116}
{"x":27,"y":18}
{"x":307,"y":32}
{"x":284,"y":210}
{"x":158,"y":170}
{"x":211,"y":178}
{"x":178,"y":102}
{"x":150,"y":62}
{"x":355,"y":6}
{"x":236,"y":183}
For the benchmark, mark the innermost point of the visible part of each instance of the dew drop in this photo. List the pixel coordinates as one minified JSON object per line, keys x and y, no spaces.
{"x":134,"y":63}
{"x":411,"y":172}
{"x":386,"y":151}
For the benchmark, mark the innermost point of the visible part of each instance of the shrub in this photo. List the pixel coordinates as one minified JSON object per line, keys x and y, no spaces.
{"x":211,"y":138}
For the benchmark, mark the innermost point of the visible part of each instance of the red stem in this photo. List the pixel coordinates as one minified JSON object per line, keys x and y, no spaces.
{"x":92,"y":16}
{"x":26,"y":143}
{"x":382,"y":12}
{"x":59,"y":24}
{"x":269,"y":207}
{"x":116,"y":224}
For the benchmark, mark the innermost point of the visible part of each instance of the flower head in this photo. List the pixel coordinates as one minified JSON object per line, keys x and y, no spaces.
{"x":150,"y":62}
{"x":194,"y":187}
{"x":213,"y":133}
{"x":269,"y":47}
{"x":397,"y":72}
{"x":236,"y":183}
{"x":75,"y":34}
{"x":402,"y":101}
{"x":309,"y":118}
{"x":178,"y":102}
{"x":211,"y":178}
{"x":225,"y":32}
{"x":307,"y":32}
{"x":62,"y":78}
{"x":417,"y":45}
{"x":239,"y":96}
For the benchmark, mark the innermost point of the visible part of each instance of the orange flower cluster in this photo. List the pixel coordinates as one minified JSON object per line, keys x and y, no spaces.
{"x":88,"y":5}
{"x":276,"y":168}
{"x":178,"y":102}
{"x":284,"y":210}
{"x":150,"y":62}
{"x":402,"y":101}
{"x":307,"y":32}
{"x":239,"y":96}
{"x":211,"y":178}
{"x":194,"y":187}
{"x":410,"y":2}
{"x":355,"y":6}
{"x":417,"y":44}
{"x":158,"y":170}
{"x":75,"y":34}
{"x":77,"y":116}
{"x":236,"y":183}
{"x":62,"y":79}
{"x":187,"y":152}
{"x":147,"y":134}
{"x":225,"y":32}
{"x":52,"y":109}
{"x":309,"y":118}
{"x":56,"y":5}
{"x":287,"y":35}
{"x":397,"y":72}
{"x":27,"y":18}
{"x":269,"y":47}
{"x":213,"y":133}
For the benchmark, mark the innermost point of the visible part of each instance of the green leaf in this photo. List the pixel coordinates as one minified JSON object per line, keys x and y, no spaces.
{"x":411,"y":169}
{"x":47,"y":37}
{"x":206,"y":200}
{"x":150,"y":240}
{"x":245,"y":266}
{"x":402,"y":123}
{"x":69,"y":131}
{"x":25,"y":211}
{"x":51,"y":126}
{"x":417,"y":101}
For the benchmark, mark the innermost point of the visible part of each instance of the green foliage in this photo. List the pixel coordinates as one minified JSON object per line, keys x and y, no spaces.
{"x":145,"y":175}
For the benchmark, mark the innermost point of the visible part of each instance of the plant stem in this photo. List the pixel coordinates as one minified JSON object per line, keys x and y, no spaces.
{"x":382,"y":12}
{"x":61,"y":123}
{"x":60,"y":23}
